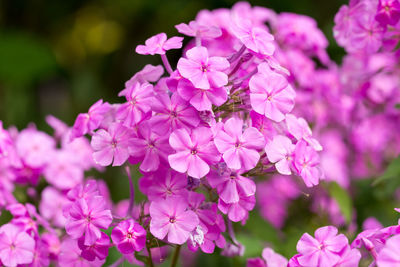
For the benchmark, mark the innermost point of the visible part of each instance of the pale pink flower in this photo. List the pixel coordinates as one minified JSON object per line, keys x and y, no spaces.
{"x":323,"y":250}
{"x":203,"y":71}
{"x":271,"y":95}
{"x":194,"y":152}
{"x":196,"y":29}
{"x":306,"y":162}
{"x":158,"y":44}
{"x":239,"y":149}
{"x":298,"y":127}
{"x":280,"y":151}
{"x":97,"y":250}
{"x":16,"y":246}
{"x":112,"y":146}
{"x":389,"y":256}
{"x":171,"y":217}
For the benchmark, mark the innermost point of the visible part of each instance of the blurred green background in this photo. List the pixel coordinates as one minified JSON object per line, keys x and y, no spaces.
{"x":59,"y":57}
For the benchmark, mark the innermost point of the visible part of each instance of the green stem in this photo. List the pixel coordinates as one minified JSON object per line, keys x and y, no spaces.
{"x":151,"y":264}
{"x":176,"y":256}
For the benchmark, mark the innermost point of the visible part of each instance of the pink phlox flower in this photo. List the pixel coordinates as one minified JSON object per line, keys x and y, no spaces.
{"x":85,"y":190}
{"x":229,"y":185}
{"x":349,"y":257}
{"x":324,"y":250}
{"x":88,"y":122}
{"x":87,"y":217}
{"x":196,"y":29}
{"x":70,"y":255}
{"x":374,"y":239}
{"x":273,"y":259}
{"x":255,"y":38}
{"x":238,"y":211}
{"x":367,"y":35}
{"x":200,"y":99}
{"x":112,"y":146}
{"x":51,"y":206}
{"x":172,"y":113}
{"x":168,"y":184}
{"x":97,"y":250}
{"x":298,"y":127}
{"x":263,"y":125}
{"x":388,"y":12}
{"x":203,"y":71}
{"x":138,"y":101}
{"x":148,"y":74}
{"x":171,"y":217}
{"x":306,"y":161}
{"x":271,"y":95}
{"x":280,"y":151}
{"x":158,"y":44}
{"x":239,"y":148}
{"x":390,"y":254}
{"x":129,"y":236}
{"x":16,"y":246}
{"x":7,"y":147}
{"x":150,"y":148}
{"x":34,"y":147}
{"x":63,"y":172}
{"x":195,"y":152}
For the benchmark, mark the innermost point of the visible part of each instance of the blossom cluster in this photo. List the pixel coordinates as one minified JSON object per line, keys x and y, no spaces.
{"x":228,"y":125}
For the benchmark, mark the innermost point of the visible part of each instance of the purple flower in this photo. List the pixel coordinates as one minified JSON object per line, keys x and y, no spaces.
{"x":169,"y":183}
{"x":390,"y":254}
{"x":129,"y":236}
{"x":238,"y":211}
{"x":158,"y":44}
{"x":239,"y":148}
{"x":87,"y":217}
{"x":306,"y":162}
{"x":112,"y":146}
{"x":97,"y":250}
{"x":203,"y":71}
{"x":194,"y":152}
{"x":199,"y":30}
{"x":16,"y":246}
{"x":388,"y":12}
{"x":171,"y":217}
{"x":70,"y":255}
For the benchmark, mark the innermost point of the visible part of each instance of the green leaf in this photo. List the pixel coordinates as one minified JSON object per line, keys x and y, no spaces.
{"x":392,"y":171}
{"x":343,"y":199}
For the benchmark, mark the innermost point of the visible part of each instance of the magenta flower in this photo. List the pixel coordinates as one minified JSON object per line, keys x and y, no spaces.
{"x":194,"y":152}
{"x":198,"y":30}
{"x":230,"y":184}
{"x":388,"y":12}
{"x":98,"y":250}
{"x":280,"y":151}
{"x":70,"y":255}
{"x":16,"y":246}
{"x":171,"y":217}
{"x":138,"y":99}
{"x":158,"y":44}
{"x":149,"y":148}
{"x":112,"y":146}
{"x":273,"y":259}
{"x":87,"y":217}
{"x":306,"y":162}
{"x":390,"y":254}
{"x":239,"y":148}
{"x":51,"y":205}
{"x":323,"y":250}
{"x":255,"y":38}
{"x":271,"y":95}
{"x":129,"y":236}
{"x":88,"y":122}
{"x":203,"y":71}
{"x":172,"y":113}
{"x":200,"y":99}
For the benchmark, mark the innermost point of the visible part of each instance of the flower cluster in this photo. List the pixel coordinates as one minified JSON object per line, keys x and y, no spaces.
{"x":228,"y":125}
